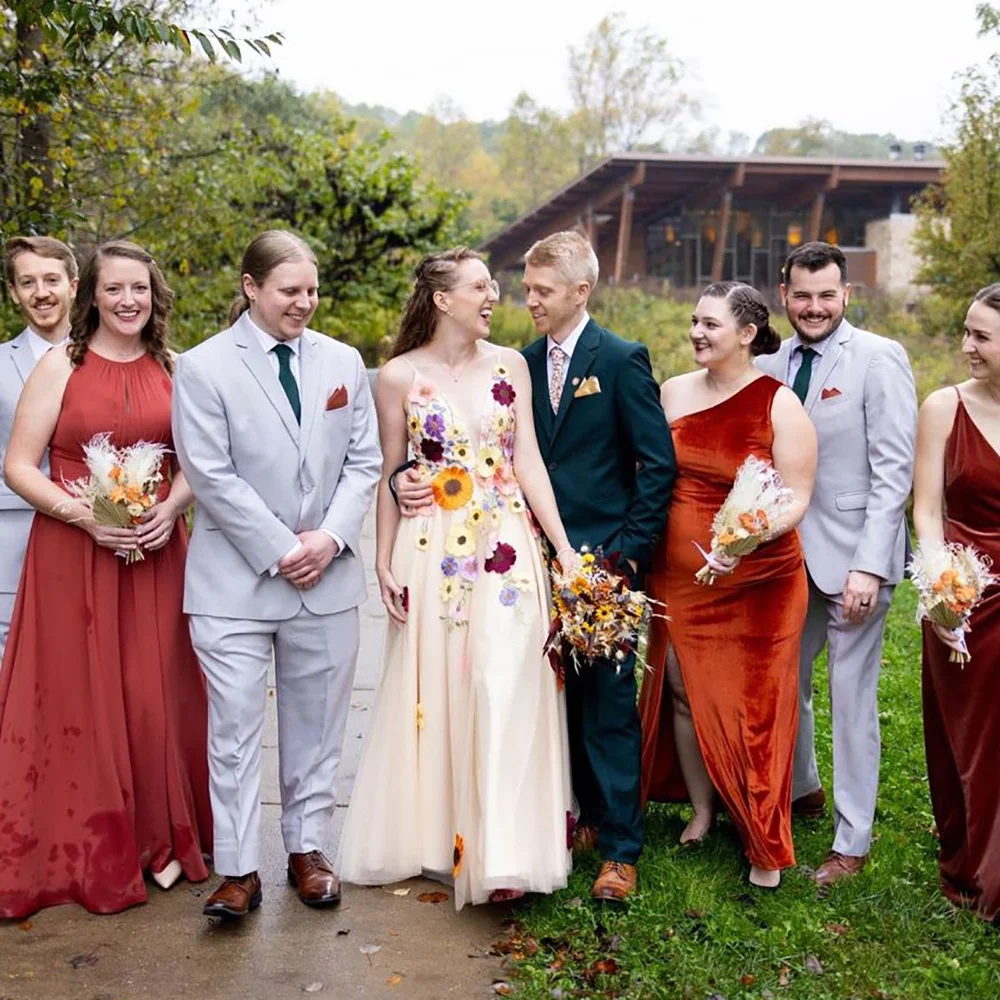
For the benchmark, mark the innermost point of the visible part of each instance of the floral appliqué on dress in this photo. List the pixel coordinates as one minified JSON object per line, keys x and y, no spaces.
{"x":474,"y":488}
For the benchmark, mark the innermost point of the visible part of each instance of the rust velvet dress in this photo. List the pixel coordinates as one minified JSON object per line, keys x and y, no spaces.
{"x":737,"y":641}
{"x":103,"y":712}
{"x":962,"y":706}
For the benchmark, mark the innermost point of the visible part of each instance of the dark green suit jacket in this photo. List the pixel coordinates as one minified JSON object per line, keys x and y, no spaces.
{"x":609,"y":454}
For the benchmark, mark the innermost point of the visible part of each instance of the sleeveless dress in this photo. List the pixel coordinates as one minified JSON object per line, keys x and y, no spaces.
{"x":103,"y":712}
{"x":737,"y":641}
{"x":465,"y":773}
{"x":961,"y":706}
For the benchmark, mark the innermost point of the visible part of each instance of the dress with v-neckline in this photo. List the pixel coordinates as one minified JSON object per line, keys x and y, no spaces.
{"x":960,"y":706}
{"x":467,"y":741}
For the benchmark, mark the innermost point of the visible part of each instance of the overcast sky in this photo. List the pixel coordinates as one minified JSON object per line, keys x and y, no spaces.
{"x":864,"y":65}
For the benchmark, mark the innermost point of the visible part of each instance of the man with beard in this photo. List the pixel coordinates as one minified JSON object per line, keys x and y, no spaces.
{"x":606,"y":444}
{"x":41,"y":276}
{"x":858,"y":389}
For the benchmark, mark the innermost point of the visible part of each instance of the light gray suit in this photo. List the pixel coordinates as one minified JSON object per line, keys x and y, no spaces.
{"x":259,"y":479}
{"x":863,"y":404}
{"x":16,"y":363}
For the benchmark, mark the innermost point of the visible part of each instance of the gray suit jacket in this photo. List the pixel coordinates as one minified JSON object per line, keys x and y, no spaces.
{"x":259,"y":478}
{"x":863,"y":404}
{"x":16,"y":364}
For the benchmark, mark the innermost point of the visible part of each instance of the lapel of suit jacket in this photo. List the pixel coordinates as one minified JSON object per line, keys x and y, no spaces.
{"x":256,"y":360}
{"x":535,"y":355}
{"x":831,"y":356}
{"x":21,"y":355}
{"x":311,"y":383}
{"x":579,"y":366}
{"x":781,"y":361}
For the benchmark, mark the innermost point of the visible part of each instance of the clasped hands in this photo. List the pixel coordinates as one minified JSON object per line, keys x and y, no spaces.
{"x":151,"y":534}
{"x":305,"y":565}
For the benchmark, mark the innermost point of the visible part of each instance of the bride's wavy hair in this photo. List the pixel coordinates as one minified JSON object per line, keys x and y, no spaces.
{"x":84,"y":318}
{"x":435,"y":273}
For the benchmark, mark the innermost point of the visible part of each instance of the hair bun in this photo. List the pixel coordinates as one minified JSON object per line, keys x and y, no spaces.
{"x":766,"y":341}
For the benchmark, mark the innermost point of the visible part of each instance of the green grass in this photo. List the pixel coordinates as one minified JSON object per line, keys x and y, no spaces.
{"x":698,"y":930}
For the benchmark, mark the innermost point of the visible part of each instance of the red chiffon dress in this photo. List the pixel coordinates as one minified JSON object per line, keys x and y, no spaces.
{"x":103,"y":711}
{"x":737,"y":641}
{"x":962,"y":706}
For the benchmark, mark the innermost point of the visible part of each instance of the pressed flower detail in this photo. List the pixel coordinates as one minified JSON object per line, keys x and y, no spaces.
{"x":503,"y":558}
{"x":452,"y":488}
{"x":432,"y":450}
{"x":423,"y":542}
{"x":448,"y":590}
{"x":469,"y":568}
{"x":457,"y":855}
{"x":420,"y":716}
{"x":509,"y":596}
{"x":449,"y":566}
{"x":461,"y":453}
{"x":434,"y":425}
{"x":503,"y":393}
{"x":414,"y":424}
{"x":490,"y":458}
{"x":517,"y":505}
{"x":475,"y":517}
{"x":501,"y":370}
{"x":461,"y":541}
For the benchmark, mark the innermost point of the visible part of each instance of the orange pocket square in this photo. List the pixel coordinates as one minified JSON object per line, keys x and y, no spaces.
{"x":830,"y":393}
{"x":338,"y":398}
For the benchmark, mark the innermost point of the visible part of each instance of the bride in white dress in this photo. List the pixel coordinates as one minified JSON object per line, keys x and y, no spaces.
{"x":465,"y":773}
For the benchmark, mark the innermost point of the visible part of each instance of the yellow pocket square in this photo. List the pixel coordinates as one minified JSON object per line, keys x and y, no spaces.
{"x":590,"y":386}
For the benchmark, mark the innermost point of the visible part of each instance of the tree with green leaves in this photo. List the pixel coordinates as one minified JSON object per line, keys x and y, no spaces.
{"x":958,"y":233}
{"x":627,"y":89}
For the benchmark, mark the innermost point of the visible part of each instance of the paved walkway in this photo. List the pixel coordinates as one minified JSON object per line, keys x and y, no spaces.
{"x":376,"y":944}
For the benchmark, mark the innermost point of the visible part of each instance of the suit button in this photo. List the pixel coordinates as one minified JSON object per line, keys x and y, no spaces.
{"x":553,"y":466}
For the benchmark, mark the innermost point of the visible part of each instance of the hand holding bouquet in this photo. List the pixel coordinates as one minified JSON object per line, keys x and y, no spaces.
{"x":122,"y":484}
{"x":950,"y":580}
{"x":594,"y":612}
{"x":749,"y":516}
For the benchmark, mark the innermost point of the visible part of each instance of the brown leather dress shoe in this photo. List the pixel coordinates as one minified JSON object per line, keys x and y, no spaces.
{"x":837,"y":867}
{"x":615,"y":882}
{"x":584,"y":839}
{"x":235,"y":897}
{"x":314,"y":877}
{"x":811,"y":806}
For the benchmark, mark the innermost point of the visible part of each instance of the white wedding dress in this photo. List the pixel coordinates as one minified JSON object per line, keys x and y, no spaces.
{"x":465,"y":772}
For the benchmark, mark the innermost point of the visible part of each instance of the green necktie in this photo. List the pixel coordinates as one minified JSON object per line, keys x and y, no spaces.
{"x":287,"y":379}
{"x":801,"y":384}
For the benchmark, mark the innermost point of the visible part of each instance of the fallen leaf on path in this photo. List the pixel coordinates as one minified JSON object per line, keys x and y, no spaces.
{"x":602,"y":967}
{"x":838,"y":929}
{"x":694,"y":914}
{"x":396,"y":892}
{"x":503,"y":989}
{"x":25,"y":925}
{"x":783,"y":975}
{"x":312,"y":988}
{"x":747,"y":980}
{"x":370,"y":949}
{"x":432,"y":897}
{"x":394,"y":980}
{"x":574,"y":904}
{"x":79,"y":961}
{"x":813,"y":966}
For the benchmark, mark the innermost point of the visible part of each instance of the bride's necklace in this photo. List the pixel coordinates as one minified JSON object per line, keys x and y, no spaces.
{"x":455,"y":376}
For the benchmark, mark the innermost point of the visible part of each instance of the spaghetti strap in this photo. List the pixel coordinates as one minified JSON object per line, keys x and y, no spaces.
{"x":413,"y":367}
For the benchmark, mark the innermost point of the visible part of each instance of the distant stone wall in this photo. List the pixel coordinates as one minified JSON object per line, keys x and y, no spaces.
{"x":898,"y":263}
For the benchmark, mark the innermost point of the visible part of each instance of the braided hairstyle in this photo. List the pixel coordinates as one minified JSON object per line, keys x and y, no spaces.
{"x":435,"y":273}
{"x":748,"y":306}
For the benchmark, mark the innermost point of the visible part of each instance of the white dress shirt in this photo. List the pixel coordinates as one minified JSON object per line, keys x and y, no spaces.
{"x":268,"y":343}
{"x":39,"y":345}
{"x":567,"y":346}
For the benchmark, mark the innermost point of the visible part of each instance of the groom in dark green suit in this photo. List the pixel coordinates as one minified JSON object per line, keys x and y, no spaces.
{"x":606,"y":443}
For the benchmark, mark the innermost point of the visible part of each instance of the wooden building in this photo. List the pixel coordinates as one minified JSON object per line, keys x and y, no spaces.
{"x":686,"y":220}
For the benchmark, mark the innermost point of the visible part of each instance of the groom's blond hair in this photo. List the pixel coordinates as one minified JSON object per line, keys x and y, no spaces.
{"x":569,"y":253}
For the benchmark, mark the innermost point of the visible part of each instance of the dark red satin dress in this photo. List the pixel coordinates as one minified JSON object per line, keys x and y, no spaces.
{"x":103,"y":711}
{"x":737,"y":641}
{"x":962,"y":706}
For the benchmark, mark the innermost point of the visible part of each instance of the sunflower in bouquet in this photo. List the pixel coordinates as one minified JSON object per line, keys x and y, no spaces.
{"x":122,"y":484}
{"x":595,"y":613}
{"x":950,"y":580}
{"x":750,"y":515}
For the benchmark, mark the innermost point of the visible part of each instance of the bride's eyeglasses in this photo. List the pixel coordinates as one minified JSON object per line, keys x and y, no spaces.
{"x":483,"y":287}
